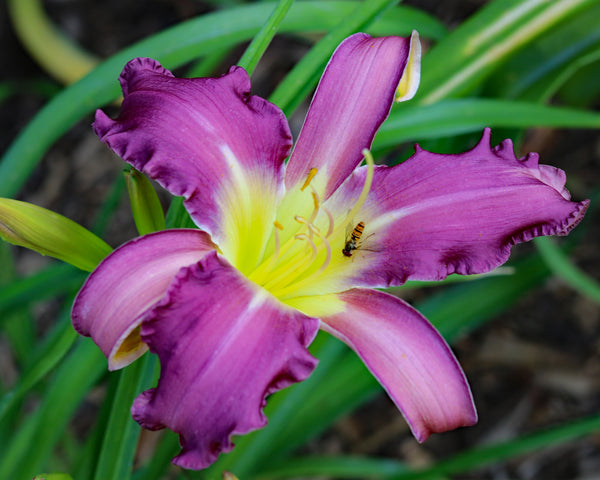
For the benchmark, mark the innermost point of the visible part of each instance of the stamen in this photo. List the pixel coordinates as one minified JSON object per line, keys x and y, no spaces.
{"x":302,"y":236}
{"x":316,"y":204}
{"x":294,"y":286}
{"x":269,"y":263}
{"x":275,"y":256}
{"x":367,"y":185}
{"x":325,"y":264}
{"x":330,"y":218}
{"x":293,"y":268}
{"x":311,"y":174}
{"x":304,"y":222}
{"x":315,"y":199}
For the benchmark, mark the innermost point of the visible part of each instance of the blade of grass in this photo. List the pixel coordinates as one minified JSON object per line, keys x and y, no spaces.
{"x":28,"y":448}
{"x":17,"y":325}
{"x":167,"y":448}
{"x":547,"y":57}
{"x":85,"y":465}
{"x":455,"y":116}
{"x":54,"y":280}
{"x":457,"y":64}
{"x":353,"y":467}
{"x":59,"y":341}
{"x":563,"y":267}
{"x":489,"y":455}
{"x":263,"y":38}
{"x":207,"y":65}
{"x":59,"y":56}
{"x":122,"y":432}
{"x":333,"y":467}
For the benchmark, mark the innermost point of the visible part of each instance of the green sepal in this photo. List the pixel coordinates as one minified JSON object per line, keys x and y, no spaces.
{"x":49,"y":233}
{"x":145,"y":205}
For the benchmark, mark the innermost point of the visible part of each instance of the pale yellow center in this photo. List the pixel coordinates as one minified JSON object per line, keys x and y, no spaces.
{"x":305,"y":242}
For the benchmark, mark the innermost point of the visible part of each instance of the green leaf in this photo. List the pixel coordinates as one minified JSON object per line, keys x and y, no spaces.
{"x":333,"y":467}
{"x":489,"y":455}
{"x":563,"y":267}
{"x":122,"y":432}
{"x":263,"y":38}
{"x":17,"y":325}
{"x":53,"y":476}
{"x":549,"y":60}
{"x":479,"y":45}
{"x":48,"y":355}
{"x":581,"y":86}
{"x":24,"y":453}
{"x":455,"y":116}
{"x":56,"y":53}
{"x":50,"y":282}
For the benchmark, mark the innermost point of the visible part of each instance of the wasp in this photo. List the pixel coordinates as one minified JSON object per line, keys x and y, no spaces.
{"x":353,"y":239}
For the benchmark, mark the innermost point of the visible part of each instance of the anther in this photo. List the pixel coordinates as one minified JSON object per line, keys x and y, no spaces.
{"x":309,"y":177}
{"x":315,"y":200}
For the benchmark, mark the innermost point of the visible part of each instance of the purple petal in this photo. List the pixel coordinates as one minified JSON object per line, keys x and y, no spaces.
{"x":205,"y":139}
{"x":352,"y":100}
{"x":134,"y":277}
{"x":408,"y":357}
{"x":224,"y":345}
{"x":437,"y":214}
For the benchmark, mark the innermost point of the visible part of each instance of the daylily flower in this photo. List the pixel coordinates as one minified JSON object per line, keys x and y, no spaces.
{"x":282,"y":250}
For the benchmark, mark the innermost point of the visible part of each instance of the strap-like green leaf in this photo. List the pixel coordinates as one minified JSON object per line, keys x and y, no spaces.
{"x":487,"y":39}
{"x":455,"y":116}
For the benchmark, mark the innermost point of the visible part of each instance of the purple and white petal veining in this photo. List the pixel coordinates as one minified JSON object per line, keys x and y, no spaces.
{"x":410,"y":359}
{"x":201,"y":138}
{"x":130,"y":280}
{"x":224,"y":345}
{"x":352,"y":100}
{"x":436,"y":214}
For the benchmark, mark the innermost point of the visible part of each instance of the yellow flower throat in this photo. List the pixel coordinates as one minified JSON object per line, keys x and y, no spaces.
{"x":313,"y":243}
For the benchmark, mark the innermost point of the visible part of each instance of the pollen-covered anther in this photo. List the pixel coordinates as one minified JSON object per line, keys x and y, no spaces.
{"x":311,"y":174}
{"x":278,"y":226}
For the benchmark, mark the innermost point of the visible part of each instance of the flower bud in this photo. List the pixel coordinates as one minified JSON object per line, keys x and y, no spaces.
{"x":145,"y":206}
{"x":49,"y":233}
